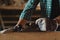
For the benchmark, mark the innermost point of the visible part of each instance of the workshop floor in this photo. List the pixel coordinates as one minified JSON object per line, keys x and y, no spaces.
{"x":30,"y":36}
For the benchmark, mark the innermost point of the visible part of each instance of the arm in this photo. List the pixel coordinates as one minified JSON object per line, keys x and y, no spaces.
{"x":30,"y":6}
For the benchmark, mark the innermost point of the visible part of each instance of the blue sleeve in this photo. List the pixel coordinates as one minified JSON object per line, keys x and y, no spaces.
{"x":48,"y":8}
{"x":30,"y":5}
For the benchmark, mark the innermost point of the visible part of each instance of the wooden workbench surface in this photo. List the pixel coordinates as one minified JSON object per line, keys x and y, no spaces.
{"x":30,"y":36}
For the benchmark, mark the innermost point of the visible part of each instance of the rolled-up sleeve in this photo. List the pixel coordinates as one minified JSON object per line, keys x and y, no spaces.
{"x":30,"y":5}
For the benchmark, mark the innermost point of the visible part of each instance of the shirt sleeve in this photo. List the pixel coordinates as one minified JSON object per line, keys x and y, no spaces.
{"x":30,"y":6}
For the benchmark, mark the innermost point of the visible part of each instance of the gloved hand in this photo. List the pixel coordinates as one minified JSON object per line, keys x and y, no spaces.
{"x":46,"y":24}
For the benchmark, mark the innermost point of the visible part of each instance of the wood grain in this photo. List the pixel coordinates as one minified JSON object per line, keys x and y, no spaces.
{"x":30,"y":36}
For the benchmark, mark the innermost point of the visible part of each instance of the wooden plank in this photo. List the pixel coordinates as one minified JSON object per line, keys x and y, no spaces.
{"x":30,"y":36}
{"x":16,"y":7}
{"x":10,"y":21}
{"x":10,"y":16}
